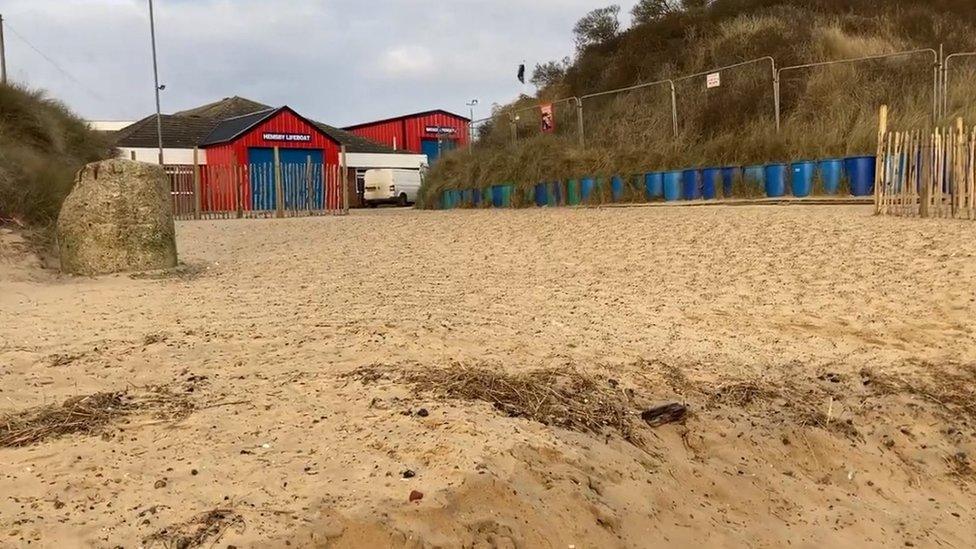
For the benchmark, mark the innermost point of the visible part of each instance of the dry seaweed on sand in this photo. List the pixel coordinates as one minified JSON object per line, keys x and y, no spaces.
{"x":204,"y":529}
{"x":88,"y":414}
{"x":561,"y":397}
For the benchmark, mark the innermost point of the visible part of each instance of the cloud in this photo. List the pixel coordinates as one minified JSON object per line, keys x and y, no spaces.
{"x":408,"y":62}
{"x":340,"y":61}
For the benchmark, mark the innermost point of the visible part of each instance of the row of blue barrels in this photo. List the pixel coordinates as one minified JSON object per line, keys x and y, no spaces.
{"x":774,"y":179}
{"x":691,"y":184}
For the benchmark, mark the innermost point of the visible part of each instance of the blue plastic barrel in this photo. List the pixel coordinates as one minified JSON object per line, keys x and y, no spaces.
{"x":556,"y":194}
{"x":831,"y":172}
{"x":755,"y":176}
{"x":691,"y":184}
{"x":728,"y":180}
{"x":860,"y":172}
{"x":711,"y":178}
{"x":672,"y":186}
{"x":775,"y":180}
{"x":497,"y":196}
{"x":654,"y":185}
{"x":802,"y":178}
{"x":587,"y":186}
{"x":541,"y":195}
{"x":617,"y":188}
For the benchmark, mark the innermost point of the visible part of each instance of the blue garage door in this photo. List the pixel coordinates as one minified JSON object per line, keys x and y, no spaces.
{"x":303,"y":186}
{"x":433,"y":150}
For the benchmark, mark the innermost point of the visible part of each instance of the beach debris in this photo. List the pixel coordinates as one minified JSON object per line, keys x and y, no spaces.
{"x":408,"y":474}
{"x":415,"y":496}
{"x":205,"y":529}
{"x":661,"y":415}
{"x":423,"y":412}
{"x":561,"y":397}
{"x":89,"y":415}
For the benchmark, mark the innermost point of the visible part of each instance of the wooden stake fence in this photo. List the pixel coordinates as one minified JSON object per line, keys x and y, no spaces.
{"x":929,"y":173}
{"x":272,"y":189}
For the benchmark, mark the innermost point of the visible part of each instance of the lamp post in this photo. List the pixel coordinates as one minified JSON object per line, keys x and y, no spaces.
{"x":158,"y":88}
{"x":471,"y":105}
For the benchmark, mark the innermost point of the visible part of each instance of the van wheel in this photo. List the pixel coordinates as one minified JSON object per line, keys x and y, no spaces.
{"x":402,"y":200}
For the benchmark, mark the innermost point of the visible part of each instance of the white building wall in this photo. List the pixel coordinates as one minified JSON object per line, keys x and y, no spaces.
{"x":379,"y":160}
{"x":170,"y":156}
{"x":353,"y":160}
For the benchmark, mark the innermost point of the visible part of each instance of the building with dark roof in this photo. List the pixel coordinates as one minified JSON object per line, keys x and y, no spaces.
{"x":237,"y":131}
{"x":185,"y":130}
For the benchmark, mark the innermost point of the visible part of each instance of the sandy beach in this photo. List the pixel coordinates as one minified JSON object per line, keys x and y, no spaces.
{"x":826,"y":357}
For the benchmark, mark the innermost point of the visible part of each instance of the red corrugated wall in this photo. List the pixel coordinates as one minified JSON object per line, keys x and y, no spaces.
{"x":235,"y":152}
{"x":408,"y":132}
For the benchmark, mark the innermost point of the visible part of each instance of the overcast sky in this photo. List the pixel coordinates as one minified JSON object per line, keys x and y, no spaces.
{"x":339,"y":61}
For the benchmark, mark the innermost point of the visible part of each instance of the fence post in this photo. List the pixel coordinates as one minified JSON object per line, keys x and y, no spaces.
{"x":308,"y":182}
{"x":196,"y":182}
{"x":579,"y":118}
{"x":514,"y":125}
{"x":777,"y":99}
{"x":959,"y":167}
{"x":344,"y":180}
{"x":882,"y":132}
{"x":279,"y":185}
{"x":674,"y":108}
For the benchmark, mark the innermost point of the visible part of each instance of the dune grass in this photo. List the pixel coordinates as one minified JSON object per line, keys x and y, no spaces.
{"x":827,"y":112}
{"x":42,"y":145}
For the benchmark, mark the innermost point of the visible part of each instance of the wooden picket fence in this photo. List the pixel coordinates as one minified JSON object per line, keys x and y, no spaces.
{"x":257,"y":190}
{"x":930,"y":173}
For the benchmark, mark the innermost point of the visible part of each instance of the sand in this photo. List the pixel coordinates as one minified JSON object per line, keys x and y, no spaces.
{"x":827,"y":357}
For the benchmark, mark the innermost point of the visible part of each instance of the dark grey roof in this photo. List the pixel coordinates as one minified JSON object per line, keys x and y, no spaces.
{"x":228,"y":107}
{"x":231,"y":128}
{"x":223,"y":121}
{"x":179,"y":132}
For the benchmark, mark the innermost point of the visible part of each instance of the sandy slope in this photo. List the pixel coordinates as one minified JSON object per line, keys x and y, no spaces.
{"x":827,"y":356}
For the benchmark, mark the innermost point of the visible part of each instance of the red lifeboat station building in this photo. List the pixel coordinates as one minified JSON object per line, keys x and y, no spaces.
{"x":432,"y":133}
{"x":252,"y":139}
{"x":238,"y":132}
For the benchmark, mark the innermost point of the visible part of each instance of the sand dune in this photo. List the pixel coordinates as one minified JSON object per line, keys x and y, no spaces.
{"x":828,"y":358}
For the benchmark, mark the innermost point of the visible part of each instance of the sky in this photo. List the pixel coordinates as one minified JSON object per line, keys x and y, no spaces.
{"x":339,"y":61}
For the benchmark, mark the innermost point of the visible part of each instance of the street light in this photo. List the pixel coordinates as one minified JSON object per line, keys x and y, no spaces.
{"x":158,"y":88}
{"x":471,"y":105}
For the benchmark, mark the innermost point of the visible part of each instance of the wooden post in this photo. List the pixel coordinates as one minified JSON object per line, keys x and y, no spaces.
{"x":308,"y":182}
{"x":237,"y":182}
{"x":279,"y":185}
{"x":879,"y":163}
{"x":937,"y":158}
{"x":344,"y":178}
{"x":132,"y":155}
{"x":971,"y":174}
{"x":196,"y":182}
{"x":959,"y":170}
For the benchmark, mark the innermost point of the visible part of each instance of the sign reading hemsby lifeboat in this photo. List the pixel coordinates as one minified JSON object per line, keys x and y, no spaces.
{"x":290,"y":137}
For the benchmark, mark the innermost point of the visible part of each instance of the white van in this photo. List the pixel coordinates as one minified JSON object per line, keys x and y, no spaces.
{"x":389,"y":186}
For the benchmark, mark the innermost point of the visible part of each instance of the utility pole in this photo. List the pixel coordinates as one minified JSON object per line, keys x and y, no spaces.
{"x":3,"y":56}
{"x":159,"y":114}
{"x":471,"y":105}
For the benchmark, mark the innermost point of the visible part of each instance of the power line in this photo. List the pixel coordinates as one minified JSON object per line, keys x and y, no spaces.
{"x":53,"y":63}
